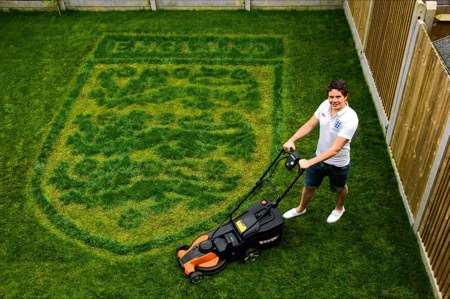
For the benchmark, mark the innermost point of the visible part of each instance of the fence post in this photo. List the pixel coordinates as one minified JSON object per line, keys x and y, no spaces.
{"x":62,"y":5}
{"x":419,"y":13}
{"x":429,"y":16}
{"x":247,"y":4}
{"x":152,"y":4}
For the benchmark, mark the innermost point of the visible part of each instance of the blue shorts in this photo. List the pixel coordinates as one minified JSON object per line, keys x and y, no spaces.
{"x":316,"y":173}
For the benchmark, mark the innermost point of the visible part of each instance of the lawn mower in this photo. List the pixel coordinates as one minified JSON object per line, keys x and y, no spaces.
{"x":242,"y":237}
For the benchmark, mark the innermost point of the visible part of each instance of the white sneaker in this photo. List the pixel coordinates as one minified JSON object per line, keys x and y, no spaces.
{"x":293,"y":213}
{"x":335,"y":215}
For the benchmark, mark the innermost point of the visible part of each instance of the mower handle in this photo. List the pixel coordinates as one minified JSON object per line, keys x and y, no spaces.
{"x":289,"y":150}
{"x":292,"y":160}
{"x":257,"y":185}
{"x":300,"y":172}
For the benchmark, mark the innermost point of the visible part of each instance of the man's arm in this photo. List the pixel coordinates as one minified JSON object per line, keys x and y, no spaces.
{"x":304,"y":130}
{"x":332,"y":151}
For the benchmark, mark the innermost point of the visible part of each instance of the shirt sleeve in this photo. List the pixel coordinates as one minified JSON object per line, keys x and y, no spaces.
{"x":348,"y":129}
{"x":320,"y":108}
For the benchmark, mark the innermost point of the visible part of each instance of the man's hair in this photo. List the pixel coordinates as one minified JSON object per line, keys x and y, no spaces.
{"x":338,"y":85}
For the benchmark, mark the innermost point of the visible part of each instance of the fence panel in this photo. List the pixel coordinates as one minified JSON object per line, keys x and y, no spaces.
{"x":200,"y":4}
{"x":296,"y":4}
{"x":435,"y":227}
{"x":360,"y":14}
{"x":174,"y":4}
{"x":423,"y":114}
{"x":386,"y":42}
{"x":26,"y":5}
{"x":106,"y":5}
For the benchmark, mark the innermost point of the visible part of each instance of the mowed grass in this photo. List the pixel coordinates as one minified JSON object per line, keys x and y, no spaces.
{"x":370,"y":253}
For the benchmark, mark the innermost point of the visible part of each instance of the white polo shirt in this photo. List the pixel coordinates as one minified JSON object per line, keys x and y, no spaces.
{"x":343,"y":124}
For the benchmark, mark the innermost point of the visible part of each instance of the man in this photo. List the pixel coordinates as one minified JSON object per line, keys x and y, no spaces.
{"x":338,"y":123}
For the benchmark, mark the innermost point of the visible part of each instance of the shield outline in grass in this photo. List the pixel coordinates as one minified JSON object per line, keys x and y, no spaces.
{"x":67,"y":225}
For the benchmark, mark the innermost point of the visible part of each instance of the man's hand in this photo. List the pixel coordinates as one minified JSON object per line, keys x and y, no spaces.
{"x":303,"y":163}
{"x":289,"y":146}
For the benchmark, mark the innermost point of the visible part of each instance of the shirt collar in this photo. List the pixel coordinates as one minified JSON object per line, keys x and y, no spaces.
{"x":340,"y":112}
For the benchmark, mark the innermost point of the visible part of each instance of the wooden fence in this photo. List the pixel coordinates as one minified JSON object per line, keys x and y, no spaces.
{"x":26,"y":5}
{"x":361,"y":12}
{"x":170,"y":4}
{"x":435,"y":227}
{"x":386,"y":41}
{"x":422,"y":117}
{"x":411,"y":90}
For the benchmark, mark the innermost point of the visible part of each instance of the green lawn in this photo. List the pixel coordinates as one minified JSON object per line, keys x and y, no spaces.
{"x":123,"y":135}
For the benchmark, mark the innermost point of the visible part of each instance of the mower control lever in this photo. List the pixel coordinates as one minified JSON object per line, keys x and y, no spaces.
{"x":292,"y":160}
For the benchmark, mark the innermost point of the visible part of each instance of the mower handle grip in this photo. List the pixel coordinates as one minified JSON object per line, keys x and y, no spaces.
{"x":289,"y":150}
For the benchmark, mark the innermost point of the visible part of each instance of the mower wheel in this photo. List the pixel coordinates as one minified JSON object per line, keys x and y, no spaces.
{"x":251,"y":255}
{"x":196,"y":277}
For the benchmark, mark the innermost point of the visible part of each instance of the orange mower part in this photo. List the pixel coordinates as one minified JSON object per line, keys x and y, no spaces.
{"x":208,"y":260}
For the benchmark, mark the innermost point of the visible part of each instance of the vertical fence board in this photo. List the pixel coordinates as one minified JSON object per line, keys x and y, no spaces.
{"x":422,"y":116}
{"x":435,"y":227}
{"x":431,"y":219}
{"x":386,"y":44}
{"x":446,"y":288}
{"x":360,"y":13}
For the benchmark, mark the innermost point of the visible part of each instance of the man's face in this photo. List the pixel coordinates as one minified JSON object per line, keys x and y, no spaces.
{"x":337,"y":99}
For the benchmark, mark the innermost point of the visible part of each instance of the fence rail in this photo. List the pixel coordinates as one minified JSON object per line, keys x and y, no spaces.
{"x":413,"y":88}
